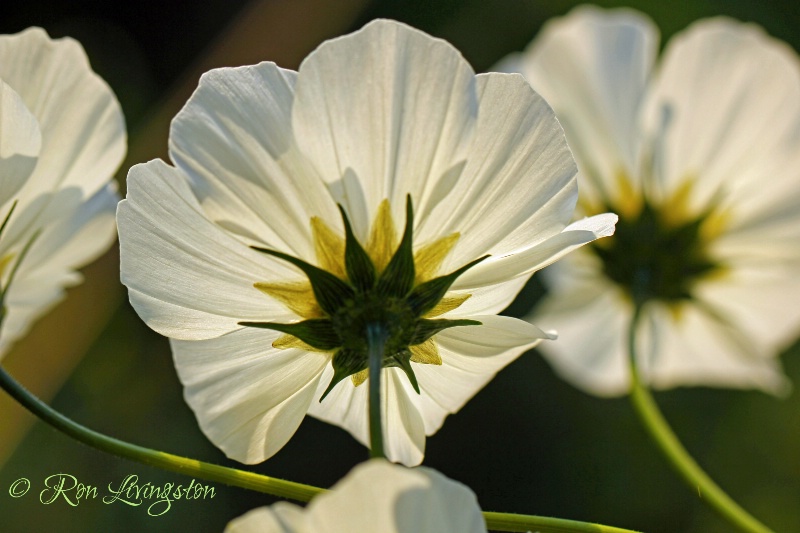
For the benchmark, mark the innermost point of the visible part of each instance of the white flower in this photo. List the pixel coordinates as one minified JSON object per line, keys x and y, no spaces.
{"x":62,"y":136}
{"x":379,"y":121}
{"x":375,"y":497}
{"x":700,"y":156}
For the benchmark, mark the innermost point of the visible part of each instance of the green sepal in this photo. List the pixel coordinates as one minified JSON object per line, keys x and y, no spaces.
{"x":331,"y":292}
{"x":397,"y":278}
{"x":345,"y":363}
{"x":427,"y":328}
{"x":426,"y":295}
{"x":402,"y":360}
{"x":360,"y":269}
{"x":316,"y":332}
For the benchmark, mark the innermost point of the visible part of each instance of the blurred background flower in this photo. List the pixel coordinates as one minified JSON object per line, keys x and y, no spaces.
{"x":565,"y":454}
{"x":698,"y":152}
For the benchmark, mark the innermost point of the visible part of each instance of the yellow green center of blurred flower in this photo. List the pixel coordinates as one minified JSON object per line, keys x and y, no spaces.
{"x":384,"y":284}
{"x":660,"y":250}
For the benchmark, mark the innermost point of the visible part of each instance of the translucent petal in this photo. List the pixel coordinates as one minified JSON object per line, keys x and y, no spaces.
{"x":249,"y":398}
{"x":526,"y":261}
{"x":593,"y":66}
{"x":20,"y":143}
{"x":728,"y":96}
{"x":381,"y":113}
{"x":410,"y":501}
{"x":82,"y":127}
{"x":234,"y":140}
{"x":187,"y":277}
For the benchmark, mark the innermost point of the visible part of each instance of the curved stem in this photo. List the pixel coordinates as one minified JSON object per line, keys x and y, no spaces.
{"x":250,"y":480}
{"x":544,"y":524}
{"x":166,"y":461}
{"x":666,"y":440}
{"x":376,"y":340}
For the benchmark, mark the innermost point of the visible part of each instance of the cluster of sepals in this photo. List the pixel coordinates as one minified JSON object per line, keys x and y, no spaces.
{"x":654,"y":259}
{"x":387,"y":302}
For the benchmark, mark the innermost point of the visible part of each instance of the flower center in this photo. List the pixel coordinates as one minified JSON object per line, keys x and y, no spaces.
{"x":660,"y":252}
{"x":374,"y":287}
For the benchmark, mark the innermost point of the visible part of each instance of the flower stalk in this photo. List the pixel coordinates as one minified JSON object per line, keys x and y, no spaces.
{"x":156,"y":458}
{"x":671,"y":447}
{"x":250,"y":480}
{"x":376,"y":340}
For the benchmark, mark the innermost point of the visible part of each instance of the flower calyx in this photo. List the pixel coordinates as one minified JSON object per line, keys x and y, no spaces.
{"x":391,"y":300}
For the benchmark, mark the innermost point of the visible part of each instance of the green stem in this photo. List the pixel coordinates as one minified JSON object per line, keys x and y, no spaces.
{"x":376,"y":340}
{"x":166,"y":461}
{"x":544,"y":524}
{"x":250,"y":480}
{"x":666,"y":440}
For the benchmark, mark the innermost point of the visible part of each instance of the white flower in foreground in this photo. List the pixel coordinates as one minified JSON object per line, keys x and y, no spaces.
{"x":394,"y":127}
{"x":375,"y":497}
{"x":62,"y":136}
{"x":700,"y":156}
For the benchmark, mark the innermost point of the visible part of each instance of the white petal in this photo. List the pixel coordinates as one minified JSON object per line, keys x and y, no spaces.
{"x":282,"y":517}
{"x":762,"y":302}
{"x":518,"y":186}
{"x":187,"y":277}
{"x":249,"y":398}
{"x":234,"y":140}
{"x":20,"y":143}
{"x":418,"y":500}
{"x":347,"y":406}
{"x":731,"y":98}
{"x":375,"y":496}
{"x":696,"y":349}
{"x":593,"y":67}
{"x":83,"y":130}
{"x":526,"y":261}
{"x":591,"y":320}
{"x":384,"y":112}
{"x":63,"y":246}
{"x":489,"y":300}
{"x":471,"y":356}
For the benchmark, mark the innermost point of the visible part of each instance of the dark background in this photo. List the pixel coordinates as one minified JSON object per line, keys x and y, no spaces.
{"x":527,"y":443}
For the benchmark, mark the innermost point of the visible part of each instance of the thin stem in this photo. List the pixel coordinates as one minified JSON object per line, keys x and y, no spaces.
{"x":376,"y":341}
{"x":666,"y":440}
{"x":249,"y":480}
{"x":544,"y":524}
{"x":166,"y":461}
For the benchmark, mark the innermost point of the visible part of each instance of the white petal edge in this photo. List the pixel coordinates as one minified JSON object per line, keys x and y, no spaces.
{"x":518,"y":186}
{"x":20,"y":143}
{"x":527,"y":261}
{"x":233,"y":138}
{"x":248,"y":397}
{"x":594,"y":66}
{"x":83,"y":129}
{"x":418,"y":500}
{"x":384,"y":112}
{"x":187,"y":277}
